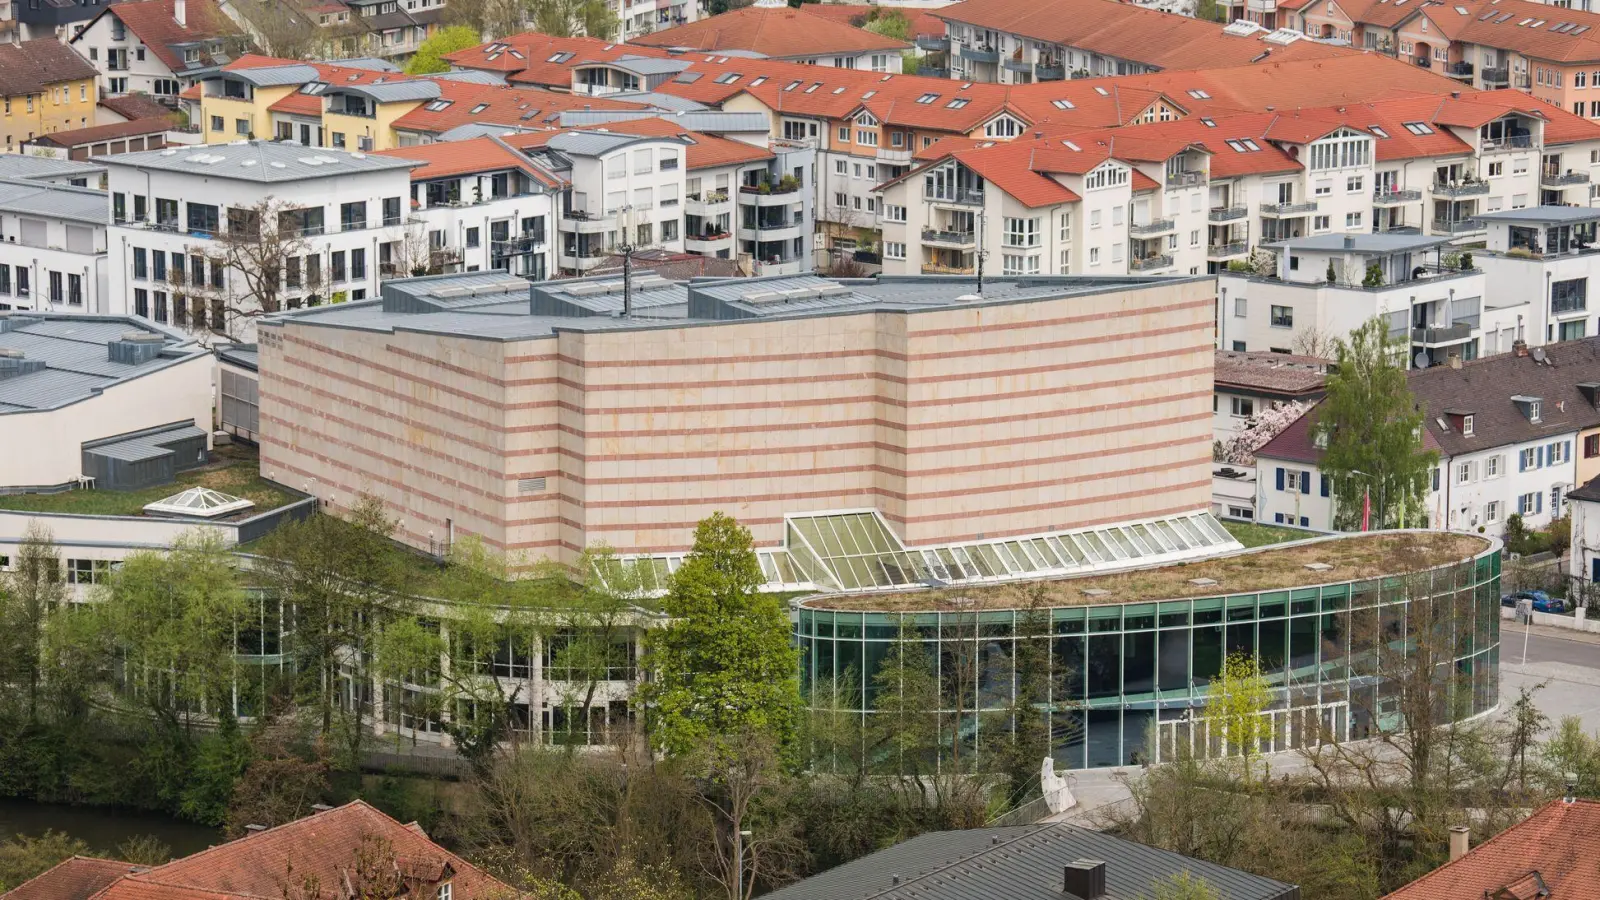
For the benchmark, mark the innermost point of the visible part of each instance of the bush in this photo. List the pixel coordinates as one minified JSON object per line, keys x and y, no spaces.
{"x":1374,"y":277}
{"x":1466,"y":259}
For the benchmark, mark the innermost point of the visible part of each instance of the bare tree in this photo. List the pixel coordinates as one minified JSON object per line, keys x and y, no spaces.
{"x":490,"y":18}
{"x":1314,"y":341}
{"x":752,"y":841}
{"x":260,"y":256}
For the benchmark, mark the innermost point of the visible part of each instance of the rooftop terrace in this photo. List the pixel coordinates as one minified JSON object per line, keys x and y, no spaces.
{"x":1271,"y":567}
{"x":234,"y":469}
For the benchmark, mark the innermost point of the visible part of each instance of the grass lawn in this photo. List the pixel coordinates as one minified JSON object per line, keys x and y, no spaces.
{"x":1252,"y":534}
{"x":234,"y":470}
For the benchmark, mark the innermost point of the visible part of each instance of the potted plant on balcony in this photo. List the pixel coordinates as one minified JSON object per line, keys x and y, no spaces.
{"x":764,"y":187}
{"x":1332,"y":277}
{"x":1466,"y":260}
{"x":788,"y":183}
{"x":1374,"y":277}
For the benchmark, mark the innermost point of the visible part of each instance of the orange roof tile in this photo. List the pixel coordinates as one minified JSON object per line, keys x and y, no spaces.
{"x":534,"y":58}
{"x":484,"y":154}
{"x":152,"y":21}
{"x":777,"y":32}
{"x":497,"y":104}
{"x":1558,"y":844}
{"x":707,"y":151}
{"x":75,"y":878}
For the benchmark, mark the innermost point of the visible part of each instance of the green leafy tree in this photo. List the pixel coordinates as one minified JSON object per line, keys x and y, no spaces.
{"x":31,"y":595}
{"x":24,"y":856}
{"x":723,"y":665}
{"x":430,"y":53}
{"x":593,"y":644}
{"x":1371,"y":426}
{"x":220,"y":760}
{"x":1237,"y":702}
{"x":1025,"y":724}
{"x":890,"y":23}
{"x":570,"y":18}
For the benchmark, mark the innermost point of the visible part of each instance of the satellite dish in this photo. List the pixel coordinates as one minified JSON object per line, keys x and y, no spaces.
{"x":1420,"y":361}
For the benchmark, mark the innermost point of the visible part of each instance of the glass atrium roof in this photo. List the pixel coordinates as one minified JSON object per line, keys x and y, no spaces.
{"x":857,"y":551}
{"x":200,"y":502}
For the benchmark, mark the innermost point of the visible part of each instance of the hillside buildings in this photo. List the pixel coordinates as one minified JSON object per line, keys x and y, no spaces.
{"x":156,"y":47}
{"x":772,"y":29}
{"x":53,"y":248}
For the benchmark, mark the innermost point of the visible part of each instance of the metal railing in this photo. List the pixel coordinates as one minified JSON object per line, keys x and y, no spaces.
{"x":1049,"y":72}
{"x":1288,"y":209}
{"x":1154,"y":226}
{"x":933,"y":43}
{"x":1441,"y":334}
{"x":1236,"y":248}
{"x":1459,"y":70}
{"x":1227,"y":213}
{"x":948,"y":237}
{"x":1496,"y":75}
{"x":1185,"y":179}
{"x":707,"y":197}
{"x":1145,"y":264}
{"x":1562,"y":180}
{"x":982,"y":53}
{"x":1510,"y":142}
{"x":965,"y":198}
{"x":1464,"y":226}
{"x":1395,"y":195}
{"x":1464,"y":189}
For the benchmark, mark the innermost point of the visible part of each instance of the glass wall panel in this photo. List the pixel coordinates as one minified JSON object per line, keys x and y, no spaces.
{"x":1207,"y":654}
{"x":1138,"y":736}
{"x":1173,"y":654}
{"x":1105,"y":665}
{"x":1139,"y":663}
{"x":1104,"y":737}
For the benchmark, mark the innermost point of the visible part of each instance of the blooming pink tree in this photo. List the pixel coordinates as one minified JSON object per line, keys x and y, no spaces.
{"x":1256,"y":431}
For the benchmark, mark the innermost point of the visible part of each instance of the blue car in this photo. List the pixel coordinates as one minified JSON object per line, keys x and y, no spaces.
{"x":1542,"y":602}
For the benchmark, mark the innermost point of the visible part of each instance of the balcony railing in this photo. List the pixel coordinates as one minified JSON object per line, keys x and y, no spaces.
{"x":522,"y":243}
{"x":935,"y":236}
{"x":1495,"y":76}
{"x":1147,"y":263}
{"x":1464,"y":226}
{"x":964,"y":198}
{"x":1459,"y":70}
{"x":1016,"y":64}
{"x":771,"y":188}
{"x":936,"y":269}
{"x":1155,"y":226}
{"x":708,"y":197}
{"x":1447,"y":334}
{"x":709,"y":236}
{"x":980,"y":53}
{"x":1387,"y":196}
{"x":1510,"y":142}
{"x":1288,"y":209}
{"x":1223,"y":251}
{"x":1227,"y":213}
{"x":1185,"y":179}
{"x":1563,"y":180}
{"x":1048,"y":72}
{"x":1461,"y":189}
{"x":933,"y":43}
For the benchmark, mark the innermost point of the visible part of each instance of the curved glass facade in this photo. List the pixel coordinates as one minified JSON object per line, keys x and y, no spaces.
{"x":1128,"y":681}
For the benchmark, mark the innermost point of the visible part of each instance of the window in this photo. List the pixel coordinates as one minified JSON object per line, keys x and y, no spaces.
{"x":1463,"y":473}
{"x":1352,"y":220}
{"x":1283,"y":317}
{"x":1066,"y":227}
{"x":866,"y":138}
{"x":141,"y":302}
{"x":88,"y":571}
{"x":353,"y":216}
{"x":241,"y":126}
{"x":1017,"y":264}
{"x":1107,"y":175}
{"x":336,"y":264}
{"x":844,"y":134}
{"x":444,"y":891}
{"x":1094,"y":218}
{"x":1323,"y":188}
{"x":391,"y":210}
{"x":474,"y":236}
{"x":1344,"y":151}
{"x":1022,"y":232}
{"x":1556,"y":453}
{"x":893,"y":213}
{"x":217,"y":124}
{"x":1241,"y":307}
{"x":1591,"y":446}
{"x":894,"y":250}
{"x":55,"y":287}
{"x":1528,"y":459}
{"x":840,"y":167}
{"x":1320,"y":223}
{"x":1497,"y":169}
{"x":1242,"y":407}
{"x":358,"y":264}
{"x":1569,"y":296}
{"x":1527,"y":504}
{"x":140,"y":263}
{"x":1352,"y":185}
{"x":1094,"y":256}
{"x":840,"y":200}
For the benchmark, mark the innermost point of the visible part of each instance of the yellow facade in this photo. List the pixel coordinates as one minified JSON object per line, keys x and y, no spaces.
{"x":59,"y":107}
{"x":379,"y":127}
{"x":220,"y":116}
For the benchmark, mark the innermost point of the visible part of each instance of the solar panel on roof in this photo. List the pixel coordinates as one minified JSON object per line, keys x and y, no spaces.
{"x":1486,"y":16}
{"x":1579,"y":30}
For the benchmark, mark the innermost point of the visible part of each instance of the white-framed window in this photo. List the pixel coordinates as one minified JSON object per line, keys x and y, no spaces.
{"x":1491,"y":467}
{"x":893,"y":213}
{"x":1352,"y":185}
{"x":1194,"y":238}
{"x":1116,"y":252}
{"x":894,"y":250}
{"x":1094,"y":256}
{"x":840,"y":200}
{"x":1323,"y":188}
{"x":1065,"y":264}
{"x":840,"y":167}
{"x":1291,"y":482}
{"x":1557,"y":453}
{"x":1022,"y":232}
{"x":1018,"y":264}
{"x":1242,"y":407}
{"x":844,"y":134}
{"x":1491,"y":512}
{"x":1320,"y":223}
{"x":1463,"y":473}
{"x":1066,"y":228}
{"x":1094,"y":218}
{"x":1527,"y":503}
{"x":1466,"y":426}
{"x":1106,"y":175}
{"x":1497,"y":169}
{"x":1529,"y":459}
{"x":866,"y":137}
{"x":444,"y":891}
{"x":1241,"y":307}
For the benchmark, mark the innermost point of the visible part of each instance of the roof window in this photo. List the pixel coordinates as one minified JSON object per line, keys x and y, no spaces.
{"x":928,"y":98}
{"x":957,"y":103}
{"x":439,"y":105}
{"x":1062,"y":104}
{"x":1419,"y":128}
{"x":728,"y":77}
{"x":1378,"y":130}
{"x":1199,"y":94}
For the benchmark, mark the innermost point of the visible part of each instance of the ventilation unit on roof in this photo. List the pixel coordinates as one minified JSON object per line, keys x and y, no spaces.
{"x":14,"y":364}
{"x":588,"y":289}
{"x":761,"y":297}
{"x":1284,"y":37}
{"x":651,"y":282}
{"x":835,"y":290}
{"x":446,"y":293}
{"x":801,"y":293}
{"x":1242,"y":28}
{"x":135,"y":347}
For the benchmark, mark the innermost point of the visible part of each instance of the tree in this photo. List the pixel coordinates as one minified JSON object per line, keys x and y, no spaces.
{"x":890,"y":23}
{"x":430,"y":53}
{"x":1372,"y":429}
{"x":723,"y":664}
{"x":31,"y":595}
{"x":571,"y":18}
{"x":1025,"y":724}
{"x":594,"y":642}
{"x":1211,"y":11}
{"x":24,"y":856}
{"x":752,"y":840}
{"x":1256,"y":431}
{"x":1185,"y":886}
{"x":259,"y":257}
{"x":1314,"y":340}
{"x":1237,"y":701}
{"x":281,"y":783}
{"x":487,"y":18}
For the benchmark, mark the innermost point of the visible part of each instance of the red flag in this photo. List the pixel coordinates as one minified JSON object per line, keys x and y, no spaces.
{"x":1366,"y":509}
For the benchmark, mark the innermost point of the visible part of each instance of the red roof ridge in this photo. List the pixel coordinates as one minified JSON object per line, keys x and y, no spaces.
{"x":1550,"y":808}
{"x":358,"y":802}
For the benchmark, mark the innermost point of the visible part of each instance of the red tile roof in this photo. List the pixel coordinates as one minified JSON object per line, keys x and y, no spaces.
{"x":1294,"y":84}
{"x":534,"y":58}
{"x":1130,"y":32}
{"x":30,"y":66}
{"x":153,"y":22}
{"x":1273,"y":373}
{"x":1558,"y":844}
{"x":99,"y":133}
{"x":484,"y":154}
{"x":777,"y":32}
{"x":76,"y":878}
{"x":1502,"y":24}
{"x":707,"y":151}
{"x":136,"y":106}
{"x":498,"y":104}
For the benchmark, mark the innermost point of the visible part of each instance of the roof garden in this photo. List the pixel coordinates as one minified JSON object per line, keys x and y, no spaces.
{"x":234,"y":469}
{"x":1271,"y":567}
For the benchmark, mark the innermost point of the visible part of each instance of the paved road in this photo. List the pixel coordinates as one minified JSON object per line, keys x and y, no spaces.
{"x":1568,"y":665}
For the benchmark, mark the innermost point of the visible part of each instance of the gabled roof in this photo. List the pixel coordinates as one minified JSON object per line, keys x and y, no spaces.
{"x":774,"y":31}
{"x":1484,"y":387}
{"x":1021,"y":169}
{"x":1558,"y":844}
{"x":1270,"y":373}
{"x":31,"y":66}
{"x":94,"y":134}
{"x":534,"y":58}
{"x":484,"y":154}
{"x":466,"y":103}
{"x":153,"y":22}
{"x":706,"y":152}
{"x":74,"y":878}
{"x":136,"y":106}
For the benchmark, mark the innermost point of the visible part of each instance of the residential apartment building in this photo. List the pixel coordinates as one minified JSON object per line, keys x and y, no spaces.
{"x":1509,"y":430}
{"x":360,"y":32}
{"x":192,"y":230}
{"x":1250,"y":383}
{"x":771,"y":28}
{"x":1323,"y":287}
{"x":1547,"y":255}
{"x":157,"y":47}
{"x":44,"y":87}
{"x":53,"y":249}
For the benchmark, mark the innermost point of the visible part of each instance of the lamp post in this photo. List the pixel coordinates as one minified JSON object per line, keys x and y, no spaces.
{"x":738,"y":863}
{"x":625,"y":246}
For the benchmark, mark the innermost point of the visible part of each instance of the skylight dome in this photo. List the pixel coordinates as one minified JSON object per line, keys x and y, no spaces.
{"x":199,"y":502}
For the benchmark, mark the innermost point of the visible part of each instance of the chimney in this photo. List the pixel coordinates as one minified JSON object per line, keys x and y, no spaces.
{"x":1085,"y":879}
{"x":180,"y":12}
{"x":1455,"y":95}
{"x":1455,"y":360}
{"x":1349,"y":242}
{"x":1519,"y":347}
{"x":1460,"y":838}
{"x":252,"y":828}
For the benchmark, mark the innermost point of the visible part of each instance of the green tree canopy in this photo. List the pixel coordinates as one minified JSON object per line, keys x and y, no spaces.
{"x":430,"y":54}
{"x":1237,"y":701}
{"x":891,"y":23}
{"x":723,"y":665}
{"x":1371,"y":427}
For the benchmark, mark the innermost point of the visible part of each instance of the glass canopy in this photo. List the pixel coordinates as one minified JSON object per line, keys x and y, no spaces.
{"x":200,"y":502}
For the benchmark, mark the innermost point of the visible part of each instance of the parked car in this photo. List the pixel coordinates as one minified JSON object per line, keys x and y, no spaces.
{"x":1542,"y":602}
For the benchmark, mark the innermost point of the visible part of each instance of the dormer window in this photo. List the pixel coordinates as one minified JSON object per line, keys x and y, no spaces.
{"x":1534,"y":411}
{"x":1466,"y":426}
{"x":1532,"y":407}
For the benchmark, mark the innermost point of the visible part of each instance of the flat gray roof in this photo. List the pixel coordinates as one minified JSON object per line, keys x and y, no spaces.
{"x":1363,"y":243}
{"x":76,"y":355}
{"x":56,"y":201}
{"x":498,"y":306}
{"x":259,"y":161}
{"x":274,"y":76}
{"x":18,"y":165}
{"x":595,"y":143}
{"x":1544,"y":215}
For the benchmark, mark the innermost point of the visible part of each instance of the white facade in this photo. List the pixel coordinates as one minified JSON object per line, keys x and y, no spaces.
{"x":1548,"y":256}
{"x":126,"y":65}
{"x":482,"y":221}
{"x":53,"y":249}
{"x":169,"y":206}
{"x":626,"y":191}
{"x":1585,"y":551}
{"x":1484,"y":488}
{"x":1293,"y":493}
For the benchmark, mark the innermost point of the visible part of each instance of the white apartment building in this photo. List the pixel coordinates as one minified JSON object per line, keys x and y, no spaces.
{"x":171,"y":210}
{"x":1513,"y":433}
{"x":156,"y":47}
{"x":1326,"y":286}
{"x":53,"y":248}
{"x":1584,"y":558}
{"x":1548,"y":255}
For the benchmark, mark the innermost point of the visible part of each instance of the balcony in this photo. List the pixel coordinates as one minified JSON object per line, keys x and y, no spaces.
{"x":1465,"y":226}
{"x":707,"y":204}
{"x":708,"y":243}
{"x":1495,"y":77}
{"x":933,"y":43}
{"x":958,"y":198}
{"x":1423,"y":62}
{"x":1016,"y":64}
{"x":586,"y":222}
{"x":959,"y":239}
{"x":1150,"y":263}
{"x":1461,"y":189}
{"x":1218,"y":252}
{"x":1508,"y":143}
{"x":1049,"y":72}
{"x":1449,"y":334}
{"x":898,"y":156}
{"x":1394,"y":197}
{"x":519,"y":244}
{"x":1553,"y":180}
{"x":775,"y":195}
{"x":1152,"y":228}
{"x":936,"y":269}
{"x":777,"y":266}
{"x":1185,"y":179}
{"x":1288,"y":209}
{"x":979,"y":53}
{"x":772,"y":231}
{"x":1459,"y":70}
{"x":1227,"y":213}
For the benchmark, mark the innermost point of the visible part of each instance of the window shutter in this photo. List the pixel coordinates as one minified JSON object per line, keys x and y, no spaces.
{"x":1567,"y":457}
{"x":1305,"y":482}
{"x":1280,"y":478}
{"x":1539,"y":458}
{"x":1324,"y":485}
{"x":1522,"y":462}
{"x":1538,"y":502}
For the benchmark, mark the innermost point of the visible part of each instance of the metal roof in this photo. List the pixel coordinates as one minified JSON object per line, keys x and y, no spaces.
{"x":260,"y":161}
{"x":274,"y":76}
{"x":56,"y":201}
{"x":1020,"y":863}
{"x":390,"y":91}
{"x":75,"y":350}
{"x":369,"y":63}
{"x":1362,"y":243}
{"x":147,"y":446}
{"x":709,"y":121}
{"x":1542,"y":215}
{"x":469,"y":76}
{"x":245,"y":356}
{"x":641,"y":65}
{"x":17,"y":165}
{"x":668,"y":102}
{"x":479,"y":129}
{"x":592,"y":143}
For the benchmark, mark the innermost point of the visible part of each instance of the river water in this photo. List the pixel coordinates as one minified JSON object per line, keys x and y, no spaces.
{"x":103,"y":828}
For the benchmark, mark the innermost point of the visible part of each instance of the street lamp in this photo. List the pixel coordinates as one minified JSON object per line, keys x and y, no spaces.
{"x":626,"y":247}
{"x":738,"y":863}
